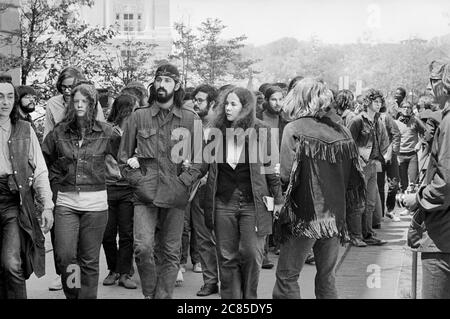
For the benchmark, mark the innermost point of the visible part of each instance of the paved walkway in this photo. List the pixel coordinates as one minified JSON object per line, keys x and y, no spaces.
{"x":363,"y":273}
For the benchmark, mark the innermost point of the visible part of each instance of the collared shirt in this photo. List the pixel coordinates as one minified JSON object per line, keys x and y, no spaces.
{"x":56,"y":110}
{"x":41,"y":183}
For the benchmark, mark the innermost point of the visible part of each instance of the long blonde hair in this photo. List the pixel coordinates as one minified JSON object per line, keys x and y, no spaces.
{"x":309,"y":97}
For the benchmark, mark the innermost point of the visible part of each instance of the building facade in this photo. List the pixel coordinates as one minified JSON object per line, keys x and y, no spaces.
{"x":136,"y":20}
{"x":9,"y":24}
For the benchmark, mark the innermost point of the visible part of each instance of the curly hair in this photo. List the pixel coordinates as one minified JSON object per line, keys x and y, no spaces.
{"x":88,"y":90}
{"x":309,"y":97}
{"x":370,"y":96}
{"x":246,"y":117}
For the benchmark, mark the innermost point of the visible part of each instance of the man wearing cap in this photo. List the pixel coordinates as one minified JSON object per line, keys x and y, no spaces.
{"x":161,"y":185}
{"x":432,"y":202}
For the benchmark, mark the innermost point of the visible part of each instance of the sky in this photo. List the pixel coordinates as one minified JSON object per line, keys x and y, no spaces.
{"x":331,"y":21}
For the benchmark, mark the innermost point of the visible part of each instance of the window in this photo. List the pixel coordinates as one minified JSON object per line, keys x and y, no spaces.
{"x":130,"y":22}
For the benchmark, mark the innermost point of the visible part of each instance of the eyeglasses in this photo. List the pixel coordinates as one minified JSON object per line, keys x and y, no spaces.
{"x":66,"y":87}
{"x":199,"y":101}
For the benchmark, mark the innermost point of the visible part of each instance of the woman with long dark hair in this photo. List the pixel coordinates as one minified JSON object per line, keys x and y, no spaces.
{"x":75,"y":152}
{"x":120,"y":206}
{"x":236,"y":185}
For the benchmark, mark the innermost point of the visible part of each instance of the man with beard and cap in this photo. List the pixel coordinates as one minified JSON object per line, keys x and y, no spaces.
{"x":431,"y":204}
{"x":160,"y":183}
{"x":27,"y":103}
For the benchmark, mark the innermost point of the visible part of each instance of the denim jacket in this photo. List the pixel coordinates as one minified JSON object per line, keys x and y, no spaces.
{"x":364,"y":131}
{"x":74,"y":167}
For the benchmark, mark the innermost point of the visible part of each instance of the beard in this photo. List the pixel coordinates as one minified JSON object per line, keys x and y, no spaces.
{"x":164,"y":98}
{"x":30,"y":108}
{"x":201,"y":113}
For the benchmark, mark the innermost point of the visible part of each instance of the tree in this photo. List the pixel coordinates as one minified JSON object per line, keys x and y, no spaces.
{"x":114,"y":66}
{"x":185,"y":50}
{"x":52,"y":36}
{"x":217,"y":58}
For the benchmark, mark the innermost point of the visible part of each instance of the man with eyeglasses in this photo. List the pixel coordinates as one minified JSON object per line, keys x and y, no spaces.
{"x":372,"y":140}
{"x":204,"y":98}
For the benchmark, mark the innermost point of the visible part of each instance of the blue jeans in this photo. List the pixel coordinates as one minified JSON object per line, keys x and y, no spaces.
{"x":12,"y":280}
{"x":293,"y":254}
{"x":78,"y":238}
{"x":435,"y":275}
{"x":239,"y":248}
{"x":157,"y":276}
{"x":206,"y":242}
{"x":189,"y":243}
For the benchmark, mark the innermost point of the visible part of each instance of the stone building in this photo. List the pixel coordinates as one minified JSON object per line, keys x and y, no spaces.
{"x":9,"y":23}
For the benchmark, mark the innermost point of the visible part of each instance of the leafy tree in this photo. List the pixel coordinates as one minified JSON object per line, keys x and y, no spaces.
{"x":185,"y":50}
{"x":217,"y":58}
{"x":52,"y":36}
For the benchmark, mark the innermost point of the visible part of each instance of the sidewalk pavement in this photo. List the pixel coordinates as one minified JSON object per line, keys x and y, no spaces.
{"x":378,"y":272}
{"x":372,"y":272}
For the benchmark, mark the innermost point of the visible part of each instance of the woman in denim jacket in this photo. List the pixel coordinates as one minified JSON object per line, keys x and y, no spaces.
{"x":75,"y":154}
{"x":319,"y":163}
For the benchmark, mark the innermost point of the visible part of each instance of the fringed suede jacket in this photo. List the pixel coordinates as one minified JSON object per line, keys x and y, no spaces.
{"x":321,"y":170}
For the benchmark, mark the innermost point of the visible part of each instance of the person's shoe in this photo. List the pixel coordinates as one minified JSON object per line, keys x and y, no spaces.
{"x":180,"y":279}
{"x":207,"y":290}
{"x":56,"y":284}
{"x":197,"y":268}
{"x":310,"y":260}
{"x":111,"y":279}
{"x":357,"y":242}
{"x":373,"y":241}
{"x":267,"y":263}
{"x":126,"y":281}
{"x":183,"y":268}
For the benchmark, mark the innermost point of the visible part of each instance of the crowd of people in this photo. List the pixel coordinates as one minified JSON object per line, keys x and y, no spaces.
{"x":225,"y":175}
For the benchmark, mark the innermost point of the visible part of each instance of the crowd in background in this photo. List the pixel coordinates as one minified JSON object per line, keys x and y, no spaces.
{"x":105,"y":173}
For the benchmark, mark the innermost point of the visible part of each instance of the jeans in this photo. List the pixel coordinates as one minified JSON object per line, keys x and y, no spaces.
{"x":370,"y":177}
{"x":12,"y":280}
{"x":359,"y":219}
{"x":408,"y":169}
{"x":293,"y":254}
{"x":157,"y":276}
{"x":378,"y":212}
{"x":78,"y":238}
{"x":189,"y":245}
{"x":206,"y":242}
{"x":391,"y":171}
{"x":239,"y":248}
{"x":120,"y":219}
{"x":435,"y":275}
